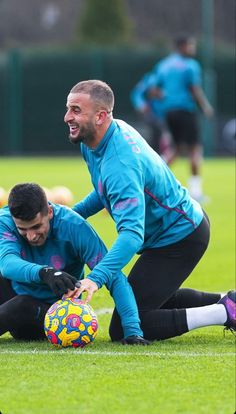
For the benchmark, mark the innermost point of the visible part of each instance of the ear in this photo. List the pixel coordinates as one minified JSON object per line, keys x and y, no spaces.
{"x":101,"y":117}
{"x":50,"y":211}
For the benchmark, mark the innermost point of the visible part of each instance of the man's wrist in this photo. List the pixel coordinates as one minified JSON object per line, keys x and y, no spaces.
{"x":44,"y":271}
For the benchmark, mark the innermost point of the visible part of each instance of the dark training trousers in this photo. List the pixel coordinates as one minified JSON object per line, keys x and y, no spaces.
{"x":156,"y":278}
{"x":21,"y":315}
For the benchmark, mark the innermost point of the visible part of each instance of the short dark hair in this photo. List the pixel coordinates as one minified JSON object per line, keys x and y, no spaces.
{"x":26,"y":200}
{"x":100,"y":92}
{"x":182,"y":39}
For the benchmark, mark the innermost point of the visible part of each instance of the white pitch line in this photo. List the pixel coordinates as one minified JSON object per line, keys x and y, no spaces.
{"x":120,"y":353}
{"x":102,"y":311}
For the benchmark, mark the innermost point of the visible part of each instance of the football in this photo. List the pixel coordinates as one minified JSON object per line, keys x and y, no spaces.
{"x":48,"y":193}
{"x":70,"y":323}
{"x":61,"y":195}
{"x":3,"y":197}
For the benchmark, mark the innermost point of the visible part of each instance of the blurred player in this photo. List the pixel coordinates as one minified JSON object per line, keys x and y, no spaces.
{"x":151,"y":111}
{"x":177,"y":81}
{"x":154,"y":215}
{"x":43,"y":250}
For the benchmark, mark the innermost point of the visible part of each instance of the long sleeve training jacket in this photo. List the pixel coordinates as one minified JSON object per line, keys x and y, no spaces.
{"x":148,"y":204}
{"x":71,"y":243}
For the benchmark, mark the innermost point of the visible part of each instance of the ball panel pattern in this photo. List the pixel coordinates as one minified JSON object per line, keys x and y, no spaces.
{"x":70,"y":322}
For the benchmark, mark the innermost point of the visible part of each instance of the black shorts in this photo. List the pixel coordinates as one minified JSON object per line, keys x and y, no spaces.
{"x":183,"y":127}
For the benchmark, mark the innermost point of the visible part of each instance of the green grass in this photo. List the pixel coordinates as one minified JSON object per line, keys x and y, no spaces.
{"x":189,"y":374}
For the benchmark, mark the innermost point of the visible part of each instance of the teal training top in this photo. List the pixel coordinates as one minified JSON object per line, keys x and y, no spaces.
{"x":148,"y":204}
{"x":139,"y":96}
{"x":175,"y":75}
{"x":71,"y":243}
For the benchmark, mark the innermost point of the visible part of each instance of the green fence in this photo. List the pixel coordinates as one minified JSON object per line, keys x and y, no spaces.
{"x":34,"y":86}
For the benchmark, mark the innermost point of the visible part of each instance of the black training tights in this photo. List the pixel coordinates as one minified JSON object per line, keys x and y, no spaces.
{"x":21,"y":315}
{"x":156,"y":278}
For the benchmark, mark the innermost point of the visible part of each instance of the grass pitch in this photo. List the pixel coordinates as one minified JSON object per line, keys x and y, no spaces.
{"x":190,"y":374}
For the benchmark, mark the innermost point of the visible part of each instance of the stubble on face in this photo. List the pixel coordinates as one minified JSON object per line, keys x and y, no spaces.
{"x":80,"y":118}
{"x":35,"y":231}
{"x":85,"y":134}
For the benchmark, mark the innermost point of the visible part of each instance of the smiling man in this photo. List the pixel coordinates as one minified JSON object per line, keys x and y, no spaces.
{"x":36,"y":230}
{"x":89,"y":116}
{"x":43,"y":250}
{"x":155,"y":217}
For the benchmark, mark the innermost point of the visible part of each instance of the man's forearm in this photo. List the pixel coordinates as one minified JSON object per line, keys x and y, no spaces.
{"x":201,"y":100}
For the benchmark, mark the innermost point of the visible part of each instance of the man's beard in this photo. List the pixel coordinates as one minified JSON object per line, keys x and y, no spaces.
{"x":75,"y":140}
{"x":86,"y":136}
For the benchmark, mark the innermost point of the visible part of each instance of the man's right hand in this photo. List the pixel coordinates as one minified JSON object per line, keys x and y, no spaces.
{"x":59,"y":282}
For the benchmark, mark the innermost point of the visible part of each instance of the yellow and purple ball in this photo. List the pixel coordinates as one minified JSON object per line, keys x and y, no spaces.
{"x":70,"y":322}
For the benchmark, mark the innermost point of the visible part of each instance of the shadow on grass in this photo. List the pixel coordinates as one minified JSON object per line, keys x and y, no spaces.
{"x":203,"y":340}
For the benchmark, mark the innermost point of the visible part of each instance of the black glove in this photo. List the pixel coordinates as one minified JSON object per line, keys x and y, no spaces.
{"x":57,"y":280}
{"x":135,"y":340}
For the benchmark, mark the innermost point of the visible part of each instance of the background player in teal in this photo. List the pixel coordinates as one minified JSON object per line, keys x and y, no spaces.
{"x":43,"y":250}
{"x":154,"y":215}
{"x":151,"y":111}
{"x":176,"y":80}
